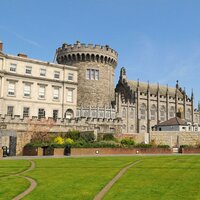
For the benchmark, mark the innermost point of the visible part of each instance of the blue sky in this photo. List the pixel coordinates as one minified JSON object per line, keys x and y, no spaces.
{"x":157,"y":40}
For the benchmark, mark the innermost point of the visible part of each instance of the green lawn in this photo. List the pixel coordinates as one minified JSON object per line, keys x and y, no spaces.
{"x":155,"y":178}
{"x":10,"y":186}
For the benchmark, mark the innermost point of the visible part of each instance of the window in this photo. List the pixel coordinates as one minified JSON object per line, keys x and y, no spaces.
{"x":171,"y":112}
{"x":70,"y":77}
{"x":10,"y":110}
{"x":28,"y":70}
{"x":42,"y":72}
{"x":41,"y":92}
{"x":26,"y":112}
{"x":132,"y":113}
{"x":70,"y":95}
{"x":143,"y":111}
{"x":27,"y":90}
{"x":162,"y":113}
{"x":188,"y":114}
{"x":56,"y":75}
{"x":55,"y":93}
{"x":13,"y":67}
{"x":55,"y":114}
{"x":11,"y":88}
{"x":153,"y":112}
{"x":92,"y":74}
{"x":124,"y":113}
{"x":143,"y":127}
{"x":41,"y":113}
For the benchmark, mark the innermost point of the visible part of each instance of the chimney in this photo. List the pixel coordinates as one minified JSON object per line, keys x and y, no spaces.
{"x":1,"y":46}
{"x":22,"y":55}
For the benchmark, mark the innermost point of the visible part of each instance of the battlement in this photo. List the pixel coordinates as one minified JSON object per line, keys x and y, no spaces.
{"x":81,"y":52}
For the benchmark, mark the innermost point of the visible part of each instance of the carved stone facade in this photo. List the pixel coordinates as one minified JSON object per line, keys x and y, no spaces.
{"x":143,"y":105}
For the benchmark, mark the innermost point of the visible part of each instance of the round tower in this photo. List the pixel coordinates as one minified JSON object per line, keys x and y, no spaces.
{"x":96,"y":70}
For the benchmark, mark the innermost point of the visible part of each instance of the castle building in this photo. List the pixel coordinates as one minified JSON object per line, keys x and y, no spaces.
{"x":143,"y":105}
{"x":30,"y":87}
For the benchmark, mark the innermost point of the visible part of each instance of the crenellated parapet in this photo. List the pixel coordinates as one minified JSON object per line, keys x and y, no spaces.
{"x":68,"y":54}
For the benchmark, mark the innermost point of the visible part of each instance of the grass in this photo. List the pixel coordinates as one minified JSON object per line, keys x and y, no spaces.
{"x":10,"y":186}
{"x":154,"y":178}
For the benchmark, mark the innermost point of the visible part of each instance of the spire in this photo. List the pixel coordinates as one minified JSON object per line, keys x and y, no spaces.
{"x":158,"y":87}
{"x":192,"y":94}
{"x":138,"y":83}
{"x":122,"y":73}
{"x":148,"y":87}
{"x":177,"y":84}
{"x":167,"y":91}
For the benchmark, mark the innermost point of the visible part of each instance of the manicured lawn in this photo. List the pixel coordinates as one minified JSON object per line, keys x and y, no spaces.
{"x":154,"y":178}
{"x":10,"y":186}
{"x":160,"y":178}
{"x":74,"y":178}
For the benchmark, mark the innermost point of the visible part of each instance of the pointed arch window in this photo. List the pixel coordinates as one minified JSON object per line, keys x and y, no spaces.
{"x":171,"y":112}
{"x":153,"y":112}
{"x":143,"y":111}
{"x":162,"y":113}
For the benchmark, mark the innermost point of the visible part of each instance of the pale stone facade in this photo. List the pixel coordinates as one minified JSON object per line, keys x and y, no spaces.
{"x":31,"y":87}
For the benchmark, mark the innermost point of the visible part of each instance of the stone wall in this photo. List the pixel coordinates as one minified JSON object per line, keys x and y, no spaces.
{"x":175,"y":138}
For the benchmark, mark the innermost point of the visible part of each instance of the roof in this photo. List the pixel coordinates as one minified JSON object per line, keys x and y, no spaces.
{"x":153,"y":88}
{"x":176,"y":121}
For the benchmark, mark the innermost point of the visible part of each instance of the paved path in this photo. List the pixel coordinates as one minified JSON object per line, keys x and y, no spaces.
{"x":101,"y":194}
{"x":32,"y":182}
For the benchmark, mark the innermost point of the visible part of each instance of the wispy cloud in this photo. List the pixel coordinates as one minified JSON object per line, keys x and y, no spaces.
{"x":27,"y":40}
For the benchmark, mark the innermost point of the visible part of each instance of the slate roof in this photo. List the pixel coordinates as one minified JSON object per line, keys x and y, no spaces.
{"x":176,"y":121}
{"x":154,"y":88}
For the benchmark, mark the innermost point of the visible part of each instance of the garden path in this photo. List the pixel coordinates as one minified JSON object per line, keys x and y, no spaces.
{"x":101,"y":194}
{"x":32,"y":182}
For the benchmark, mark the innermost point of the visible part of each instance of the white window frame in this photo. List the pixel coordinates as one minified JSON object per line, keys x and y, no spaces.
{"x":41,"y":92}
{"x":28,"y":70}
{"x":12,"y":113}
{"x":70,"y":76}
{"x":70,"y":94}
{"x":41,"y":113}
{"x":13,"y":67}
{"x":27,"y":90}
{"x":56,"y":93}
{"x":56,"y":75}
{"x":25,"y":113}
{"x":11,"y":88}
{"x":92,"y":74}
{"x":43,"y":72}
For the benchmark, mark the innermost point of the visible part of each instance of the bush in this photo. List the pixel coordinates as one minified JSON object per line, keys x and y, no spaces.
{"x":73,"y":134}
{"x":69,"y":141}
{"x":88,"y":136}
{"x":127,"y":142}
{"x":108,"y":136}
{"x":163,"y":146}
{"x":59,"y":140}
{"x":142,"y":145}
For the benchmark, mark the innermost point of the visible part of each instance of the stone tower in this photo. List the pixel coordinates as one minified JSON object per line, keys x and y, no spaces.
{"x":96,"y":70}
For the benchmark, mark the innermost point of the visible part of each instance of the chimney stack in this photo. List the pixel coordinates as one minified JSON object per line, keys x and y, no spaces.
{"x":1,"y":45}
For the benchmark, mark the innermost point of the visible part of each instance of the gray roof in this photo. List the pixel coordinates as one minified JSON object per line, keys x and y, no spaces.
{"x":154,"y":88}
{"x":176,"y":121}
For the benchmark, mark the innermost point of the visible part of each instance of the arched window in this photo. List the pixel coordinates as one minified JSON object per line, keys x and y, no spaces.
{"x":132,"y":113}
{"x":143,"y":128}
{"x":124,"y":113}
{"x":143,"y":111}
{"x":171,"y":112}
{"x":188,"y":114}
{"x":162,"y":113}
{"x":69,"y":114}
{"x":131,"y":127}
{"x":153,"y":112}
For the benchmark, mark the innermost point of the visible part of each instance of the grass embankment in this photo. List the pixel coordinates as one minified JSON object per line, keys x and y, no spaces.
{"x":10,"y":186}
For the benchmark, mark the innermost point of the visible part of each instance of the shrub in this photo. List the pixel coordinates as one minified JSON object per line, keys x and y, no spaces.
{"x":88,"y":136}
{"x":163,"y":146}
{"x":127,"y":142}
{"x":142,"y":145}
{"x":73,"y":134}
{"x":59,"y":140}
{"x":108,"y":136}
{"x":69,"y":141}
